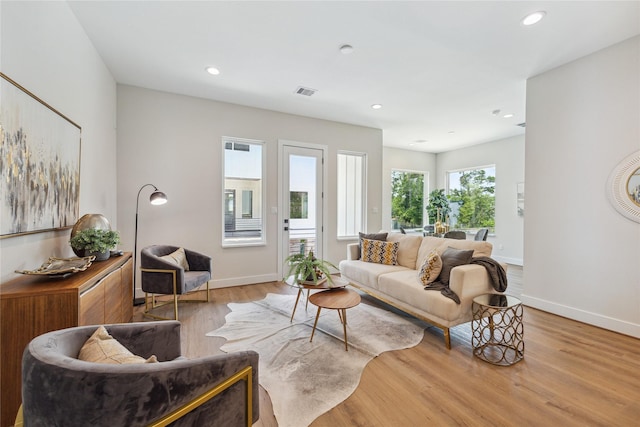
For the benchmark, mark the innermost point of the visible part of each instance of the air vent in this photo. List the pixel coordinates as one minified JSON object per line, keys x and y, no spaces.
{"x":305,"y":91}
{"x":523,"y":124}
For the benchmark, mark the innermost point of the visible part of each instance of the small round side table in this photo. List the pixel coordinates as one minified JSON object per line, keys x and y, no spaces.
{"x":497,"y":330}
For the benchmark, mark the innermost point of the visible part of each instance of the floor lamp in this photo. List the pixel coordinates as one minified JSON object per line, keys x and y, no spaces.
{"x":156,"y":198}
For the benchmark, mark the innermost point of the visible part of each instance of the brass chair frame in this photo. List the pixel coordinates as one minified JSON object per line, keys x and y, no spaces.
{"x":242,"y":375}
{"x":154,"y":304}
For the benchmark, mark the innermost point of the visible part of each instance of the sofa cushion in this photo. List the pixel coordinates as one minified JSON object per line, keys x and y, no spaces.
{"x":379,"y":252}
{"x":103,"y":348}
{"x":408,"y":248}
{"x":406,"y":287}
{"x":451,"y":258}
{"x":479,"y":248}
{"x":430,"y":268}
{"x":367,"y":273}
{"x":428,"y":245}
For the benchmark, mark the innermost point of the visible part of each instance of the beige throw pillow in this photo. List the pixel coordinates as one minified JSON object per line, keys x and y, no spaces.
{"x":178,"y":257}
{"x":103,"y":348}
{"x":430,"y":269}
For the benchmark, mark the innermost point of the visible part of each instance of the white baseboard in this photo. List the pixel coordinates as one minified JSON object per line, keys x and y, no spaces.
{"x":246,"y":280}
{"x":605,"y":322}
{"x":507,"y":260}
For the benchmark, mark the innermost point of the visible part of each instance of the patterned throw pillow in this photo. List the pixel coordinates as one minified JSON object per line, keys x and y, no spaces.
{"x":430,"y":269}
{"x":380,"y":252}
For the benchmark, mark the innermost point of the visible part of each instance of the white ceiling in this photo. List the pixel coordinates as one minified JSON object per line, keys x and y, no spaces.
{"x":436,"y":67}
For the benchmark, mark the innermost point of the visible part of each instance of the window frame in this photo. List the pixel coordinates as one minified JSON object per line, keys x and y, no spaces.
{"x":247,"y":241}
{"x":342,"y":197}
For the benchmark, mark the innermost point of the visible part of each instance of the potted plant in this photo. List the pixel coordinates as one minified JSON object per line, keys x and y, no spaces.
{"x":308,"y":268}
{"x":95,"y":242}
{"x":438,"y":203}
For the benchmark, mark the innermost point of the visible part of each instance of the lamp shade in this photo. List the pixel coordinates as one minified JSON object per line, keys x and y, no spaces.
{"x":158,"y":198}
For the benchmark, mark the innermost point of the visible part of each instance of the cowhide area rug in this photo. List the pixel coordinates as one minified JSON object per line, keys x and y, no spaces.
{"x":305,"y":379}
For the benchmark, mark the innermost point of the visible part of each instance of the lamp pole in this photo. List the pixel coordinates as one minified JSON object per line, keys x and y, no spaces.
{"x":156,"y":198}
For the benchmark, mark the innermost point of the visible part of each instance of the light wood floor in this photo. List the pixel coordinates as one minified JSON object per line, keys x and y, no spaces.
{"x":572,"y":375}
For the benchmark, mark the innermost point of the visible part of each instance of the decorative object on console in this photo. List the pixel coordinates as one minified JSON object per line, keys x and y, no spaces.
{"x":42,"y":147}
{"x":623,"y":187}
{"x":308,"y":269}
{"x":156,"y":198}
{"x":96,"y":242}
{"x":61,"y":267}
{"x":98,"y":221}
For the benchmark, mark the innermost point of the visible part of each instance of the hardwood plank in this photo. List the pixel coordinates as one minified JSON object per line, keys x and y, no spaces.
{"x":572,"y":374}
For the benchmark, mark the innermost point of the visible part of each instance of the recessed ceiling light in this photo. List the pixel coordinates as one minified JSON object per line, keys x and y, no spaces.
{"x":420,"y":141}
{"x":212,"y":70}
{"x":451,"y":132}
{"x":533,"y":18}
{"x":346,"y":49}
{"x":508,"y":116}
{"x":376,"y":106}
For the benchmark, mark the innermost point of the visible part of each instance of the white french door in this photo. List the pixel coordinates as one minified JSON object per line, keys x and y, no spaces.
{"x":302,"y":202}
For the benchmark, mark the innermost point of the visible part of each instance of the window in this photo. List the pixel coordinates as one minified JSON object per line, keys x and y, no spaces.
{"x":243,"y":212}
{"x":472,"y":197}
{"x":351,"y":194}
{"x":407,"y":199}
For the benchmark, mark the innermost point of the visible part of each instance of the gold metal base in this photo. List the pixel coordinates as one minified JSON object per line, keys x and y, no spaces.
{"x":175,"y":301}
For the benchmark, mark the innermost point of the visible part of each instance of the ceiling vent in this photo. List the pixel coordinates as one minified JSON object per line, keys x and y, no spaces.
{"x":523,"y":124}
{"x":305,"y":91}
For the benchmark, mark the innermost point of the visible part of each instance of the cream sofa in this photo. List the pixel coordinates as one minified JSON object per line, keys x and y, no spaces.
{"x":400,"y":286}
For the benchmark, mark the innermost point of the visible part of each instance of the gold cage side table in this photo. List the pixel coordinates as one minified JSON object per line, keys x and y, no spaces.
{"x":497,"y":330}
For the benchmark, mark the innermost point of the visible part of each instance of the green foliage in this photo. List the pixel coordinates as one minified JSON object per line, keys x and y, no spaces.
{"x":477,"y":200}
{"x":407,"y":191}
{"x":308,"y":268}
{"x":95,"y":240}
{"x":437,"y":199}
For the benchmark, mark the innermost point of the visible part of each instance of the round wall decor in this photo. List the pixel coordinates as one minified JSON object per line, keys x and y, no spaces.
{"x":623,"y":187}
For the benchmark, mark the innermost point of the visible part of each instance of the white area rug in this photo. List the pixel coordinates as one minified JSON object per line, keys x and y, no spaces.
{"x":305,"y":379}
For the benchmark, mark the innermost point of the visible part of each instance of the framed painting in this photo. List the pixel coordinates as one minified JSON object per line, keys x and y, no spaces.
{"x":39,"y":164}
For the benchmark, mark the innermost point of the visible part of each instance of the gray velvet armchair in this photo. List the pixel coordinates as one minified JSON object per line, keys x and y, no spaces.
{"x":60,"y":390}
{"x":160,"y":276}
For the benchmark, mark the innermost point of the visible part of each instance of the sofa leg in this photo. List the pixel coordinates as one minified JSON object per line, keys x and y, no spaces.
{"x":447,"y":338}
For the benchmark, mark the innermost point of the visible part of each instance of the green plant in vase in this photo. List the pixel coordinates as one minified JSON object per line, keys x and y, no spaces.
{"x":308,"y":268}
{"x":95,"y":242}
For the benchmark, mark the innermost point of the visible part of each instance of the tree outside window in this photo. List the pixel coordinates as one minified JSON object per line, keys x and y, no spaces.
{"x":407,"y":199}
{"x":472,"y":196}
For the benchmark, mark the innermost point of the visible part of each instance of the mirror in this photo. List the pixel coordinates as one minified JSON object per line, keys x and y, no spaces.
{"x":623,"y":187}
{"x":633,"y":187}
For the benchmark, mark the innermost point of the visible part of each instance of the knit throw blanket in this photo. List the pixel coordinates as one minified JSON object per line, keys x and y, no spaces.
{"x":497,"y":275}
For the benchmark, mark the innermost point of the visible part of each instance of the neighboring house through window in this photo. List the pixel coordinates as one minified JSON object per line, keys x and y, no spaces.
{"x":243,"y":192}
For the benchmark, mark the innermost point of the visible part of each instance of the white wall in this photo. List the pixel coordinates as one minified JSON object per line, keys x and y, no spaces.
{"x":581,"y":255}
{"x":508,"y":157}
{"x":174,"y":142}
{"x":44,"y":49}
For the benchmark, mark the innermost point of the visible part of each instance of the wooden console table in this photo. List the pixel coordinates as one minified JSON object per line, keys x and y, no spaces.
{"x":33,"y":305}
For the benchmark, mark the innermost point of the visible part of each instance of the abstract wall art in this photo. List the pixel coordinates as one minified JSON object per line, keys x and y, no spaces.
{"x":39,"y":164}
